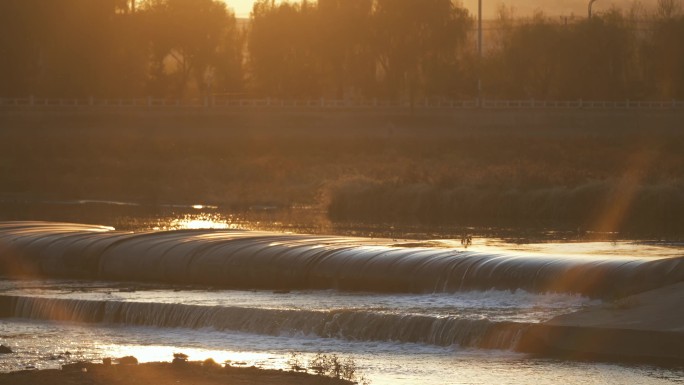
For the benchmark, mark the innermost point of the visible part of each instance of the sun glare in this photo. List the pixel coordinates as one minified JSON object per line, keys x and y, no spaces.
{"x":161,"y":353}
{"x":242,"y":8}
{"x":199,"y":221}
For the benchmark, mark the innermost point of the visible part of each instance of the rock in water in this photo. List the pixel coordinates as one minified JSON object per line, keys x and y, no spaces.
{"x":128,"y":360}
{"x":5,"y":349}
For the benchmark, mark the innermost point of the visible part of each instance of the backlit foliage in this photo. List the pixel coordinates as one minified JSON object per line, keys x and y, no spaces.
{"x":388,"y":49}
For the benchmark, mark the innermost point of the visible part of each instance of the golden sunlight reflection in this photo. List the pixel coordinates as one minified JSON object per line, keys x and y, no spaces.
{"x":160,"y":353}
{"x":579,"y":249}
{"x":200,"y":221}
{"x":574,"y":249}
{"x":202,"y":207}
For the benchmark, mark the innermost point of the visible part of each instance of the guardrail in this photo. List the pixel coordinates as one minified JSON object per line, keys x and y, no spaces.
{"x":217,"y":103}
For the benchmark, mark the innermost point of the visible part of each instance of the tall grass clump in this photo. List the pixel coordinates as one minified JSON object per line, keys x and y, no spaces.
{"x":655,"y":209}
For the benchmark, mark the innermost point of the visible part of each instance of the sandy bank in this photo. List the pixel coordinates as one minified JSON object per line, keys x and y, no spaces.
{"x":163,"y":373}
{"x":646,"y":327}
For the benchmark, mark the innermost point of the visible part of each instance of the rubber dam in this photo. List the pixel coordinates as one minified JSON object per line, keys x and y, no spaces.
{"x":259,"y":260}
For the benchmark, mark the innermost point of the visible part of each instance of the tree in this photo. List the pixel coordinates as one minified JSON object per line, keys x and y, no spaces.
{"x":63,"y":48}
{"x":598,"y":57}
{"x":415,"y":41}
{"x":343,"y":46}
{"x":665,"y":54}
{"x":543,"y":59}
{"x":189,"y":39}
{"x":528,"y":64}
{"x":22,"y":38}
{"x":668,"y":9}
{"x":282,"y":50}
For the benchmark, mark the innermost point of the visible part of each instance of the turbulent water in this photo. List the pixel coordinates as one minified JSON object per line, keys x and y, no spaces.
{"x":407,"y":312}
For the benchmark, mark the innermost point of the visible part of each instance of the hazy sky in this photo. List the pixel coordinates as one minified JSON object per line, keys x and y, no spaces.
{"x":242,"y":8}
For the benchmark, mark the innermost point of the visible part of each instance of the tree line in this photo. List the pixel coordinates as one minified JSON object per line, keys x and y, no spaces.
{"x":386,"y":49}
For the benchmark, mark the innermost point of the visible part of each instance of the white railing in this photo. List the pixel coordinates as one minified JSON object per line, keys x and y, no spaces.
{"x":218,"y":103}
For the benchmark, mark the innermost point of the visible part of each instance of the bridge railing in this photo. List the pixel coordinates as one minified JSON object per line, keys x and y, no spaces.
{"x":218,"y":103}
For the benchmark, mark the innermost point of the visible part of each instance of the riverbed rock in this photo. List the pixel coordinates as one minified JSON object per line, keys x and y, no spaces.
{"x":5,"y":349}
{"x":128,"y":360}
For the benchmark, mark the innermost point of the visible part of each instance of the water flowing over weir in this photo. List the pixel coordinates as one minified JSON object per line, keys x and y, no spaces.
{"x":348,"y":324}
{"x":246,"y":259}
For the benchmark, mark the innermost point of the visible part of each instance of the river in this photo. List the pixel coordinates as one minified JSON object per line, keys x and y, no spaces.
{"x":410,"y":329}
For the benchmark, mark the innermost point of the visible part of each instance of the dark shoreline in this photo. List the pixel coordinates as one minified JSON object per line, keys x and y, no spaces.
{"x":162,"y":373}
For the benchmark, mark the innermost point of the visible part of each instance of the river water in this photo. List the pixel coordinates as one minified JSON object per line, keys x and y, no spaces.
{"x":394,"y":336}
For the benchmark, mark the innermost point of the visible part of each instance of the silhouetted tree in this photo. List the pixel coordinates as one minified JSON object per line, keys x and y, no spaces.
{"x":69,"y":48}
{"x":22,"y":40}
{"x":343,"y":45}
{"x":528,"y":64}
{"x":416,"y":42}
{"x":602,"y":52}
{"x":665,"y":53}
{"x":543,"y":59}
{"x":396,"y":49}
{"x":189,"y":39}
{"x":282,"y":57}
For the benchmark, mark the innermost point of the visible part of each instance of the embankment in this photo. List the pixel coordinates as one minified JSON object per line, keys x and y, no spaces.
{"x":606,"y":170}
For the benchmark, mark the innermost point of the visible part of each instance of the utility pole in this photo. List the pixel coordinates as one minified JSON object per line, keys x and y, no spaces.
{"x":479,"y":27}
{"x":479,"y":52}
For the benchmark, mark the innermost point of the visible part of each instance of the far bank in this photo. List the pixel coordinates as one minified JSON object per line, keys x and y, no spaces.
{"x":607,"y":170}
